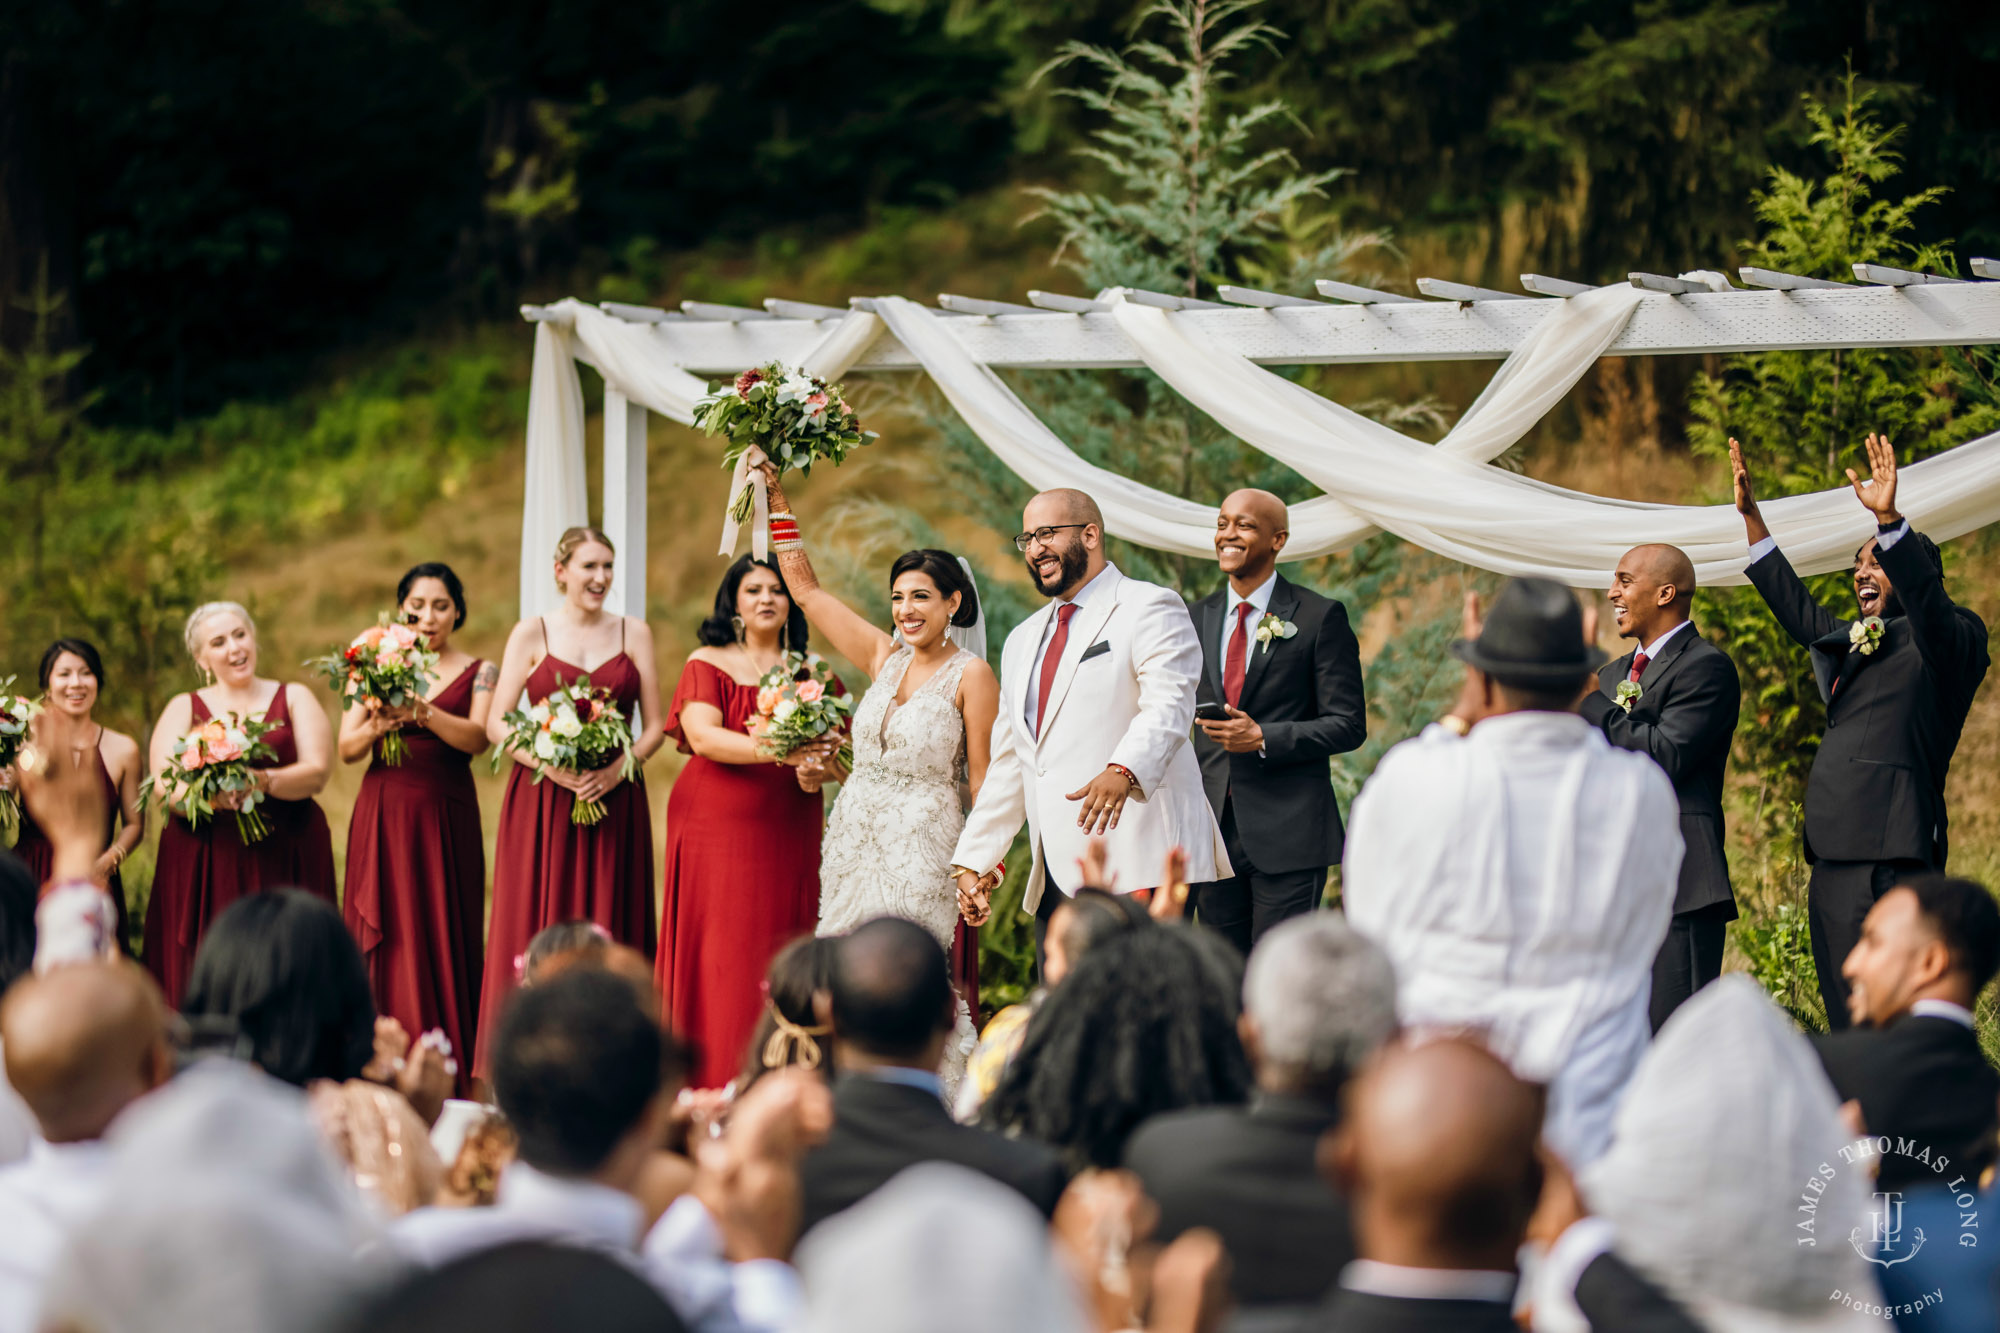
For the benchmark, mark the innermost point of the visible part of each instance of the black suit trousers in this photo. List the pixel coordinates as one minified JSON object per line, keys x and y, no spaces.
{"x":1250,"y":902}
{"x":1689,"y":958}
{"x":1837,"y":901}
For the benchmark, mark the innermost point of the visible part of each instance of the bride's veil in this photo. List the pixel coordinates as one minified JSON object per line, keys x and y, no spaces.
{"x":972,"y":638}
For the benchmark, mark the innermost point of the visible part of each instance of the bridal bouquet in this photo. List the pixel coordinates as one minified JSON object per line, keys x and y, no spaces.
{"x":796,"y":704}
{"x":391,"y":664}
{"x":213,"y":759}
{"x":795,"y":418}
{"x":577,"y":729}
{"x":17,"y":711}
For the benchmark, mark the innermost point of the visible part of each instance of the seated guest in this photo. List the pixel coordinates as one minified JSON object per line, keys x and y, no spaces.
{"x":789,"y":1032}
{"x":1912,"y":1060}
{"x":82,"y":1044}
{"x":1439,"y":1157}
{"x":1318,"y":999}
{"x":1723,"y":1125}
{"x":526,"y":1287}
{"x":1145,"y":1023}
{"x":891,"y":1006}
{"x":587,"y":1081}
{"x":1519,"y":870}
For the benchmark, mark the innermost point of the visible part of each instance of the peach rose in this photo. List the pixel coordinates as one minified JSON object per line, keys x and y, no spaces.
{"x":811,"y":692}
{"x":767,"y":698}
{"x":371,"y":637}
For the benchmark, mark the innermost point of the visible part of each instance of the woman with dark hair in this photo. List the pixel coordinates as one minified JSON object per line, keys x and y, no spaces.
{"x":546,"y":867}
{"x":790,"y":1033}
{"x":922,"y":737}
{"x":200,"y":870}
{"x":72,"y":676}
{"x":1145,"y":1022}
{"x":416,"y":858}
{"x":742,"y":872}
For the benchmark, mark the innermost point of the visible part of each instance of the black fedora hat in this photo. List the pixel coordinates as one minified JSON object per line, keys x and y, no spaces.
{"x":1532,"y":636}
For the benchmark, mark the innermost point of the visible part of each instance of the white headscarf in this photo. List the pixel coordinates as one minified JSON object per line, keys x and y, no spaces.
{"x":938,"y":1247}
{"x":1726,"y":1123}
{"x":225,"y":1212}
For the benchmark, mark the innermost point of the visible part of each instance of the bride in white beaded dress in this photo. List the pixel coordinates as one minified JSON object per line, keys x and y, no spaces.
{"x":921,"y":738}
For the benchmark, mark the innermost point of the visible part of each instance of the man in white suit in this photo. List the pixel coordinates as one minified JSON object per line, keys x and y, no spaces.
{"x":1097,"y":695}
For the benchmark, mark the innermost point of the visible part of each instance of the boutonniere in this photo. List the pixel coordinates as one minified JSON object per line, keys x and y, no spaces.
{"x":1626,"y":694}
{"x":1865,"y":635}
{"x":1270,"y":627}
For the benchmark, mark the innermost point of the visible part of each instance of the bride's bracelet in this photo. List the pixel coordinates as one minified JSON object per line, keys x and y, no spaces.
{"x":785,"y":533}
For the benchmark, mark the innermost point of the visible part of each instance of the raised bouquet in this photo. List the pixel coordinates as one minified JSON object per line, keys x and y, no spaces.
{"x":215,"y":758}
{"x":795,"y":418}
{"x":578,"y":729}
{"x":17,"y":712}
{"x":796,"y":704}
{"x":391,"y":664}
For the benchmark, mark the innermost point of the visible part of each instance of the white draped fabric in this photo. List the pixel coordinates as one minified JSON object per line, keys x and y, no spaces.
{"x":1441,"y":497}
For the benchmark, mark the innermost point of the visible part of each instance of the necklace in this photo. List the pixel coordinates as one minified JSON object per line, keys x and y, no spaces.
{"x":758,"y":669}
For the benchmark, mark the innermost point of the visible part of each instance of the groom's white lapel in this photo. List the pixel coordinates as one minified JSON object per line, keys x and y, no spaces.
{"x":1083,"y":632}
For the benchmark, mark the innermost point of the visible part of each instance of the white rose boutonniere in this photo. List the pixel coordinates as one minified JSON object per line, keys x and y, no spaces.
{"x":1865,"y":635}
{"x":1627,"y":694}
{"x":1270,"y":628}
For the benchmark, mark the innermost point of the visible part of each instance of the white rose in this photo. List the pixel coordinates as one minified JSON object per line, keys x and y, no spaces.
{"x":545,"y":746}
{"x":785,"y":708}
{"x":566,"y":725}
{"x":237,"y":738}
{"x":796,"y":389}
{"x":538,"y":713}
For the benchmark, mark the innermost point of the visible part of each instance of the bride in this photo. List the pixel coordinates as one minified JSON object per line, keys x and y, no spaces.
{"x":923,"y":728}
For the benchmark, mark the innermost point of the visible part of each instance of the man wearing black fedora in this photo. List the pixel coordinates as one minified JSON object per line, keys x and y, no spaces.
{"x":1519,"y":869}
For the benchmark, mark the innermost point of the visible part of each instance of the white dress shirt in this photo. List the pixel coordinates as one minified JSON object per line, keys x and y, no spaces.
{"x":1945,"y":1009}
{"x":1260,"y":598}
{"x":1374,"y":1278}
{"x":1080,"y":599}
{"x":682,"y":1255}
{"x":1521,"y":879}
{"x":1652,"y":650}
{"x":43,"y":1199}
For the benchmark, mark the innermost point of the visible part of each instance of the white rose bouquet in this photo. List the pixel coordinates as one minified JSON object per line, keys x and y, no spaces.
{"x":795,"y":418}
{"x":578,"y":729}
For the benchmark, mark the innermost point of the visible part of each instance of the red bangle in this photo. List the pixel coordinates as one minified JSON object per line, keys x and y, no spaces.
{"x":1120,"y":768}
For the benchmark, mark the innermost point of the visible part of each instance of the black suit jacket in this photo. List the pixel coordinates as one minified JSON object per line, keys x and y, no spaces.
{"x":1684,"y":717}
{"x":1248,"y":1174}
{"x":1923,"y":1079}
{"x":1612,"y":1297}
{"x":1877,"y":787}
{"x":1306,"y":693}
{"x":879,"y":1128}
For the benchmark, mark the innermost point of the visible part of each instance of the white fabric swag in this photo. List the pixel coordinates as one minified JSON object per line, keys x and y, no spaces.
{"x":1440,"y":497}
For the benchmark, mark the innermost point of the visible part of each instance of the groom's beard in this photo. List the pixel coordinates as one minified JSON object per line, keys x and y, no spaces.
{"x":1069,"y":574}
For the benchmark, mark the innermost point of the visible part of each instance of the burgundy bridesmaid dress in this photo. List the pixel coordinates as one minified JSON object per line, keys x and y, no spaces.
{"x":742,"y":881}
{"x":548,"y":870}
{"x":201,"y":871}
{"x":416,"y":882}
{"x":38,"y":854}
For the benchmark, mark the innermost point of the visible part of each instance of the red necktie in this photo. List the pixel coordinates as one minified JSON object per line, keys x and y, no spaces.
{"x":1235,"y":664}
{"x":1051,"y":659}
{"x":1639,"y":661}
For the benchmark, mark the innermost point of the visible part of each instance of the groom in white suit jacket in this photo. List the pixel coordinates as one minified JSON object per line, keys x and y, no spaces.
{"x":1097,"y":694}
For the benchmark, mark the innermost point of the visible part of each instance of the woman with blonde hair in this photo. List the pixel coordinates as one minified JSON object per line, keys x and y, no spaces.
{"x":201,"y":871}
{"x":546,"y":868}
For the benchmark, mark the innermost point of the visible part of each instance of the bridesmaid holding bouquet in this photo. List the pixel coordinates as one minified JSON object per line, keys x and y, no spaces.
{"x":203,"y":869}
{"x":416,"y":859}
{"x":548,"y":868}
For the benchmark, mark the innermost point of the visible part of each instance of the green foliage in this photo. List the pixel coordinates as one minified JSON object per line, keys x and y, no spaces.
{"x":1777,"y":951}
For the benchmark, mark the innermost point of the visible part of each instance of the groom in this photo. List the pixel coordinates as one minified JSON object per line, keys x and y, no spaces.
{"x":1096,"y":700}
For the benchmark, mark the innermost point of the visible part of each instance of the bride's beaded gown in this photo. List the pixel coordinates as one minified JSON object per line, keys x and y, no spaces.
{"x":890,"y":837}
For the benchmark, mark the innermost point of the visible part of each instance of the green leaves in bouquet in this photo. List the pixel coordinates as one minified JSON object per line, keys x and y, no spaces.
{"x":763,"y":406}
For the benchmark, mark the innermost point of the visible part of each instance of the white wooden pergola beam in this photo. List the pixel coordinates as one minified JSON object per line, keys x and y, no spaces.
{"x":1660,"y":282}
{"x":638,"y":314}
{"x":1788,"y":282}
{"x":1401,"y":329}
{"x":1358,"y":295}
{"x":782,"y":309}
{"x":710,"y":312}
{"x":1068,"y":305}
{"x":1898,"y":277}
{"x":1541,"y":285}
{"x":1459,"y":291}
{"x":1165,"y":301}
{"x":1985,"y":268}
{"x":1250,"y":296}
{"x":973,"y":305}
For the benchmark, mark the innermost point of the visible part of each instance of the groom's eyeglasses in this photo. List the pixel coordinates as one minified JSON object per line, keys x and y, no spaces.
{"x":1023,"y":540}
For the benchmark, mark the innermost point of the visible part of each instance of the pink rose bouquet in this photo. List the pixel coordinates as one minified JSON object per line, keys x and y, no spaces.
{"x":577,"y":729}
{"x":213,"y":759}
{"x":796,"y":704}
{"x":17,"y":712}
{"x":391,"y":664}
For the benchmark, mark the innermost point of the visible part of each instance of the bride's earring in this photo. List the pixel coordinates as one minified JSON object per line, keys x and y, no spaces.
{"x":736,"y":623}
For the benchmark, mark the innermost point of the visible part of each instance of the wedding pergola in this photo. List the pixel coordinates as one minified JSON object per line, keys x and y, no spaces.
{"x":1440,"y":496}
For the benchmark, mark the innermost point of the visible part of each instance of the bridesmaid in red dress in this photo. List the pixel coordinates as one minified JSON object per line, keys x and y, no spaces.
{"x":743,"y":831}
{"x":203,"y":870}
{"x":416,"y":859}
{"x":71,"y":676}
{"x":547,"y":869}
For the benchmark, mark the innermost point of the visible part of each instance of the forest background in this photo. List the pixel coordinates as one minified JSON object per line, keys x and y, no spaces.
{"x":259,"y":265}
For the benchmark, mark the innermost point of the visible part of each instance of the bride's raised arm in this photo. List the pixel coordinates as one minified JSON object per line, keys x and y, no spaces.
{"x":852,"y":635}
